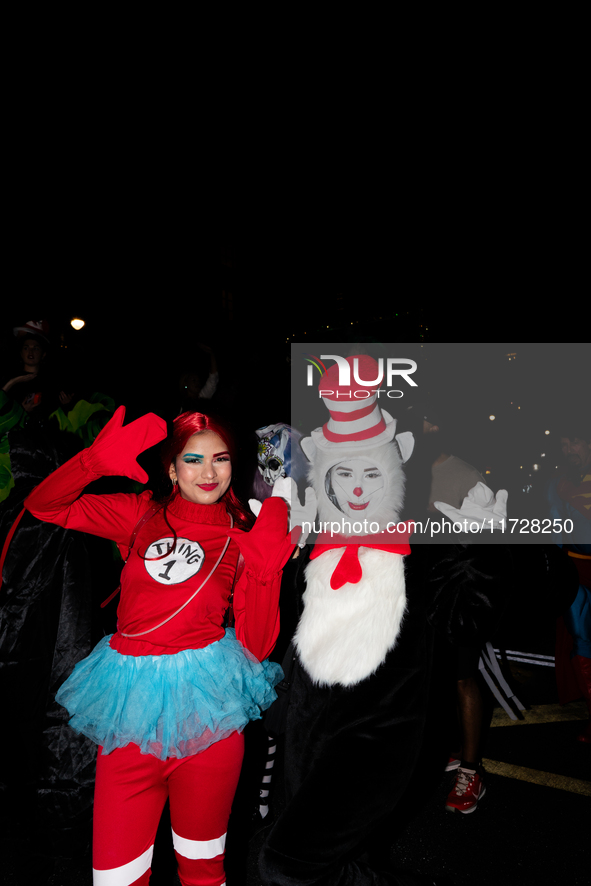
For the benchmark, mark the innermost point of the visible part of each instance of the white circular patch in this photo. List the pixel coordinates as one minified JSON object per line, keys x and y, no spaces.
{"x":180,"y":565}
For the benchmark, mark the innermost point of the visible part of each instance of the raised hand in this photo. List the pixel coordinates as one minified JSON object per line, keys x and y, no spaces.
{"x":479,"y":506}
{"x":266,"y":548}
{"x":65,"y":398}
{"x":116,"y":448}
{"x":299,"y":514}
{"x":20,"y":379}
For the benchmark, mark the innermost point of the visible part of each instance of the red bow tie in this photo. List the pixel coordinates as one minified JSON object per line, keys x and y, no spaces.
{"x":348,"y":569}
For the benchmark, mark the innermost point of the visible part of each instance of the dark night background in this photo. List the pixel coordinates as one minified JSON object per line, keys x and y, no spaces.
{"x":141,"y":332}
{"x":250,"y":305}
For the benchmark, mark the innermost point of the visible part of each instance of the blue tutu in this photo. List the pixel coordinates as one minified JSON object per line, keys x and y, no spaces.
{"x":169,"y":705}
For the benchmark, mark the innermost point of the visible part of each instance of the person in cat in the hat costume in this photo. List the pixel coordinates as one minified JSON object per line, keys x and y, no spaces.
{"x":364,"y":644}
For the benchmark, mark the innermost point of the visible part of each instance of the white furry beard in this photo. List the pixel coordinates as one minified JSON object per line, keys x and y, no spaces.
{"x":387,"y":459}
{"x":344,"y":635}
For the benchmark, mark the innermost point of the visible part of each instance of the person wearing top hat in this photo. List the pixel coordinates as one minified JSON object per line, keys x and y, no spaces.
{"x":371,"y":601}
{"x":32,"y":388}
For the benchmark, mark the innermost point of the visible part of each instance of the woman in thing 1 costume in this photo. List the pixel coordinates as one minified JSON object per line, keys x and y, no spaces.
{"x":167,"y":696}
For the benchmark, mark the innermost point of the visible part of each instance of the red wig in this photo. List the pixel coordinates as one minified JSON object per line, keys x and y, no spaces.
{"x":189,"y":423}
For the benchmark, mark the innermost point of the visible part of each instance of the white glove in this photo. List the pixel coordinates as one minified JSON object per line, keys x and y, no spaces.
{"x":299,"y":514}
{"x":480,"y":506}
{"x":281,"y":489}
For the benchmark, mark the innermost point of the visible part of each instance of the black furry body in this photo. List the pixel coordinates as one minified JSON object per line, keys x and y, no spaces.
{"x":351,"y":751}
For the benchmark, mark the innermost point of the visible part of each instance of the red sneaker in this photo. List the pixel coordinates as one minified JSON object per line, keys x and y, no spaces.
{"x":467,"y":791}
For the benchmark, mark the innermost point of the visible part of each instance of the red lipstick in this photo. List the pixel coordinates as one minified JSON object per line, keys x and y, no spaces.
{"x":207,"y":487}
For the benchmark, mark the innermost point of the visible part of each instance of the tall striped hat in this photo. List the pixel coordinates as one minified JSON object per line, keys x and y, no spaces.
{"x":356,"y":420}
{"x":34,"y":327}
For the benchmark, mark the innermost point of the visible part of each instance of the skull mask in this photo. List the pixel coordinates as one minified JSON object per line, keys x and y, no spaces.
{"x":274,"y":452}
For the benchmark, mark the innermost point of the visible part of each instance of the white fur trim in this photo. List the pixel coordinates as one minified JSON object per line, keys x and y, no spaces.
{"x":344,"y":635}
{"x":406,"y":445}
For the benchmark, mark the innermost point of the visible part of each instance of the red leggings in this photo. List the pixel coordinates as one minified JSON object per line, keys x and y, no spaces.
{"x":130,"y":792}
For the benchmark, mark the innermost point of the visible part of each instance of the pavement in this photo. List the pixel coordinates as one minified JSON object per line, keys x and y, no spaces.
{"x":531,"y":827}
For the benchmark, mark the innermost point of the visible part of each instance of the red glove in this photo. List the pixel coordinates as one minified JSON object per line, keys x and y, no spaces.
{"x":268,"y":545}
{"x":116,"y":448}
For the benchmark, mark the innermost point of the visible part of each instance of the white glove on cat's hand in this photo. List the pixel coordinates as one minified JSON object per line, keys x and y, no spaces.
{"x":299,"y":514}
{"x":480,"y":506}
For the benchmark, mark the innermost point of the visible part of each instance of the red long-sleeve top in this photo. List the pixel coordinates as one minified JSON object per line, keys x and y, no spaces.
{"x":154,"y":589}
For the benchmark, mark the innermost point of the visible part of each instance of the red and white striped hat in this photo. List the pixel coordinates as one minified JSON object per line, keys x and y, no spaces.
{"x":356,"y":420}
{"x":34,"y":327}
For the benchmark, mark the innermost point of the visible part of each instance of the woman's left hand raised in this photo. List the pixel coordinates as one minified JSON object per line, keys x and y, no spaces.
{"x":116,"y":448}
{"x":268,"y":545}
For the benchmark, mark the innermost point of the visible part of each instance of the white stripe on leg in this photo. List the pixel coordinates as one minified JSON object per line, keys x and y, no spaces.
{"x":199,"y":848}
{"x":125,"y":873}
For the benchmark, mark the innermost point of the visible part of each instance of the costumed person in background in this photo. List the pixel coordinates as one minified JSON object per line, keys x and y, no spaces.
{"x":167,"y":696}
{"x":28,"y":395}
{"x":281,"y":466}
{"x":570,"y":499}
{"x":32,"y":386}
{"x":48,"y":623}
{"x":451,"y":482}
{"x":279,"y":458}
{"x":32,"y":398}
{"x":49,"y":615}
{"x":364,"y":641}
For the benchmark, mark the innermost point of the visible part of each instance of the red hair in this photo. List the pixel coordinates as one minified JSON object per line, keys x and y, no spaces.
{"x":184,"y":427}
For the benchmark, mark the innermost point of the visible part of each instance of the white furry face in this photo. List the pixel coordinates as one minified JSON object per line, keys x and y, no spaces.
{"x":386,"y":501}
{"x":357,"y":485}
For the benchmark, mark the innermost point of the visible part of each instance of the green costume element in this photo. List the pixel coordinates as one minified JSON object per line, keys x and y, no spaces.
{"x":6,"y":480}
{"x":12,"y":415}
{"x":85,"y":419}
